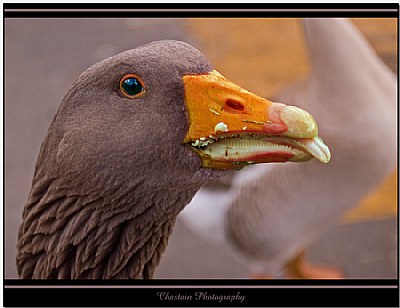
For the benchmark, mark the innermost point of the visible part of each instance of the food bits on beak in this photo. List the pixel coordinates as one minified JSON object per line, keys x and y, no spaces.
{"x":221,"y":127}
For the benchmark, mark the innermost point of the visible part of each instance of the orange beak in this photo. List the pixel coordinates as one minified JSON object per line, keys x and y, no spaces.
{"x":231,"y":127}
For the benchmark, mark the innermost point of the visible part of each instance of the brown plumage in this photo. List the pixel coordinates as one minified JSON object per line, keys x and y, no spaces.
{"x":93,"y":210}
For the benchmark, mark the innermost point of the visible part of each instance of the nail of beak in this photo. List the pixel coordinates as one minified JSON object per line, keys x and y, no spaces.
{"x":300,"y":123}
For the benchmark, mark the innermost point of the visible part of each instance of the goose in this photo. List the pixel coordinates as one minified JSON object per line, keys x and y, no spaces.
{"x":134,"y":138}
{"x":268,"y":214}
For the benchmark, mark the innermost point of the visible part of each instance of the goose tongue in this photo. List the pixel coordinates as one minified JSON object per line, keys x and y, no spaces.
{"x":229,"y":152}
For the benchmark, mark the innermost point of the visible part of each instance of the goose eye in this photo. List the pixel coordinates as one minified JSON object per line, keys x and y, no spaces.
{"x":131,"y":86}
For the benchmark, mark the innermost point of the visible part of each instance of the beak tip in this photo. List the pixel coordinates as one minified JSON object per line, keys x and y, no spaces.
{"x":319,"y":150}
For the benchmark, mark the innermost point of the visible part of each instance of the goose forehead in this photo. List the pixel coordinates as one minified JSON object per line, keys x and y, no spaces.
{"x":161,"y":58}
{"x":158,"y":62}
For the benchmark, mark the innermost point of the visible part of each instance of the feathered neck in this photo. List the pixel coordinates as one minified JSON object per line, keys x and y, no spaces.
{"x":118,"y":234}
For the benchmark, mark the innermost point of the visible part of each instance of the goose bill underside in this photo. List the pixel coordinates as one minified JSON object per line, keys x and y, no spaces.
{"x":231,"y":127}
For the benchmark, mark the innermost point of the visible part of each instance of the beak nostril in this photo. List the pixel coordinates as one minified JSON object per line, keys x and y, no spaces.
{"x":234,"y":104}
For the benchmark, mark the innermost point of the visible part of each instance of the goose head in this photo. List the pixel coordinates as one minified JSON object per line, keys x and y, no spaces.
{"x":134,"y":111}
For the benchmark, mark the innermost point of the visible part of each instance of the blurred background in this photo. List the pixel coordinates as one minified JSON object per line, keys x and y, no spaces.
{"x":44,"y":56}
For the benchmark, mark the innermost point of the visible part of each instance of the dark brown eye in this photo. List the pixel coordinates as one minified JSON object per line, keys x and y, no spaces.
{"x":131,"y":86}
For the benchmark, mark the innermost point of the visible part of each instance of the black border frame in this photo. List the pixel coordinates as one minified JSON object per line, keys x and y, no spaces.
{"x":349,"y":292}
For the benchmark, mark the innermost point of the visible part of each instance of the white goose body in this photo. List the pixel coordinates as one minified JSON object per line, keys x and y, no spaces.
{"x":288,"y":207}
